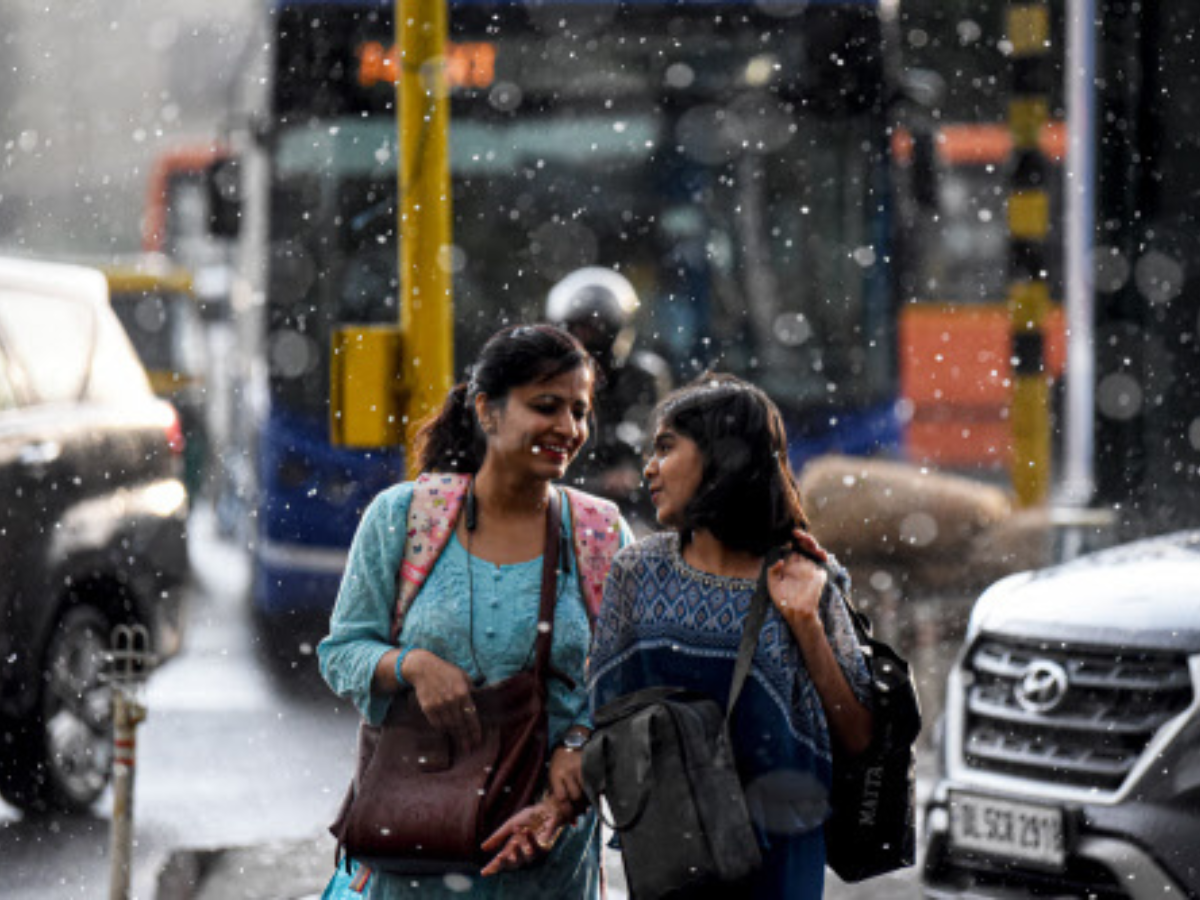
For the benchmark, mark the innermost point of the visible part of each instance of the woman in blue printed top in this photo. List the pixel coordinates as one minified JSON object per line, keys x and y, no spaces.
{"x":516,"y":427}
{"x":675,"y":603}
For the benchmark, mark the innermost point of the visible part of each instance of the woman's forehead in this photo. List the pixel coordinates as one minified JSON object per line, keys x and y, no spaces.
{"x":572,"y":383}
{"x":666,"y":430}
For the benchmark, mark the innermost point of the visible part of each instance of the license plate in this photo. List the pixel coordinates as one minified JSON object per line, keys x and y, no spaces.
{"x":1022,"y":832}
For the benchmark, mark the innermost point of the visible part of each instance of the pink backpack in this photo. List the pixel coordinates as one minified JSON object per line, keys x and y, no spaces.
{"x":433,"y":512}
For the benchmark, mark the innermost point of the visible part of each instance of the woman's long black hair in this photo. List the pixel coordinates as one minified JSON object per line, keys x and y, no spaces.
{"x":748,"y":497}
{"x":451,"y":440}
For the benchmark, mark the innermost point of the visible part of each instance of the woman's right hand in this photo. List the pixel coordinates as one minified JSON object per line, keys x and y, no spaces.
{"x":530,"y":834}
{"x":444,"y":693}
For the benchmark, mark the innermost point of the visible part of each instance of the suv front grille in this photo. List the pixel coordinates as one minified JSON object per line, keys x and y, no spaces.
{"x":1090,"y":735}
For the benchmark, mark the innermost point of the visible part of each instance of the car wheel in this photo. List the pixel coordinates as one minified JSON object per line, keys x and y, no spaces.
{"x":64,"y":753}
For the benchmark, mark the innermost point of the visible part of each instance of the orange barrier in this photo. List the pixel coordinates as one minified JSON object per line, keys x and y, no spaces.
{"x":956,"y":372}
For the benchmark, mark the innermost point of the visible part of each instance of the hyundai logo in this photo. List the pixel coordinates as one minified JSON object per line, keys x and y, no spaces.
{"x":1042,"y":686}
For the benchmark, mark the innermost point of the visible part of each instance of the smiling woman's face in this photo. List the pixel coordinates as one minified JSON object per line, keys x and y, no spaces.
{"x":540,"y":427}
{"x":673,"y":475}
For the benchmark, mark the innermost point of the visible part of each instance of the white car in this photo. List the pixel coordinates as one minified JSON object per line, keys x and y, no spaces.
{"x":1071,"y":744}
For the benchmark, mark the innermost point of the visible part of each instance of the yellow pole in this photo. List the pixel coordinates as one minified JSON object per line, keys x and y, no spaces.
{"x":1028,"y":224}
{"x":426,"y":302}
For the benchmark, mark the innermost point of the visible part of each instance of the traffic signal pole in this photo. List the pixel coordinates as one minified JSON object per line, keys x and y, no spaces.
{"x":426,"y":299}
{"x":1028,"y":225}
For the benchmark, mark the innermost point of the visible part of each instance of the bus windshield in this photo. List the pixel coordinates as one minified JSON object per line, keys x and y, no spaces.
{"x":740,"y":202}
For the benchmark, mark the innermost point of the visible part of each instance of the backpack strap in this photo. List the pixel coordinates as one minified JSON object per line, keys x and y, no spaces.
{"x":596,"y":534}
{"x":433,"y":512}
{"x":432,"y":515}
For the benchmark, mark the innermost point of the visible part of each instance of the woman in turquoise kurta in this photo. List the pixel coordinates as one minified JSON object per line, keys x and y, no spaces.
{"x":517,"y":425}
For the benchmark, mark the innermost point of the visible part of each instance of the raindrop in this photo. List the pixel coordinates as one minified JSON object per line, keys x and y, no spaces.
{"x":457,"y":883}
{"x":760,"y":69}
{"x":1119,"y":396}
{"x":918,"y":529}
{"x":864,"y":256}
{"x":452,"y":259}
{"x":882,"y":581}
{"x":1194,"y":434}
{"x":1110,"y":268}
{"x":706,"y":133}
{"x":679,"y":76}
{"x":291,"y":353}
{"x":969,"y":32}
{"x":792,"y":329}
{"x":505,"y":96}
{"x":150,"y":315}
{"x":1159,"y":278}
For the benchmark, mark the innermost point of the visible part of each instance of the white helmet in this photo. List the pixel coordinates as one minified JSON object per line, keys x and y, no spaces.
{"x":602,"y":303}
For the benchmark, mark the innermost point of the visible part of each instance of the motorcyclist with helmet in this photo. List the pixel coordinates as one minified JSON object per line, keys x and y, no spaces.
{"x":597,"y":305}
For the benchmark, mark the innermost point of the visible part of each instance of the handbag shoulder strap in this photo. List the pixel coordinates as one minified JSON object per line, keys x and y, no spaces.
{"x":549,"y":597}
{"x":838,"y":583}
{"x":433,"y":512}
{"x":596,"y":535}
{"x":759,"y":605}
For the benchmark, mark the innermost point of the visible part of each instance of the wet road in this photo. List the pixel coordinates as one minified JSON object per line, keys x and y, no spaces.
{"x":231,"y":753}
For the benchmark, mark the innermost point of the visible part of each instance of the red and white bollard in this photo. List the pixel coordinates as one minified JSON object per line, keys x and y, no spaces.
{"x":131,"y":663}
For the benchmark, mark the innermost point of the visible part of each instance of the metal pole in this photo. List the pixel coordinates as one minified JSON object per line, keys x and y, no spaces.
{"x":130,"y":663}
{"x":1079,"y":483}
{"x":127,"y":714}
{"x":426,"y":309}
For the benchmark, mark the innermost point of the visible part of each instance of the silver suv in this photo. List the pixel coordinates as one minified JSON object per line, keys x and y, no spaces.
{"x":1071,"y":745}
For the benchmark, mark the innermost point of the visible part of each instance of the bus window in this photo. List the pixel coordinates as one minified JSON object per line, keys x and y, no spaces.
{"x":730,"y":158}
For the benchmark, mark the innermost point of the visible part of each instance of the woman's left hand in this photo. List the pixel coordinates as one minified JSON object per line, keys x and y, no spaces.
{"x":795,"y":584}
{"x":566,"y":776}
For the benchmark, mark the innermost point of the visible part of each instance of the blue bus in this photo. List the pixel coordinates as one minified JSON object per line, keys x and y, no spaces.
{"x":729,"y":157}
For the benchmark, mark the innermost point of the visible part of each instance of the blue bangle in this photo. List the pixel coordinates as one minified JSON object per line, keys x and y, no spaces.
{"x":399,"y":663}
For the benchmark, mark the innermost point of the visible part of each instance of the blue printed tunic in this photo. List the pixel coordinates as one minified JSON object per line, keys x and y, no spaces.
{"x":498,"y":604}
{"x":665,"y":623}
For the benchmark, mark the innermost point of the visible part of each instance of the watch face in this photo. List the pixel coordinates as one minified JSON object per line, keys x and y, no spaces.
{"x":574,"y":740}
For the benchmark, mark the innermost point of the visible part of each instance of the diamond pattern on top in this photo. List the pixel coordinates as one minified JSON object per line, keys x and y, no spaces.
{"x":656,"y":599}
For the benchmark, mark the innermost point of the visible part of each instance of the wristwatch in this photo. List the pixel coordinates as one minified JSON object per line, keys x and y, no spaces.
{"x":575,"y":740}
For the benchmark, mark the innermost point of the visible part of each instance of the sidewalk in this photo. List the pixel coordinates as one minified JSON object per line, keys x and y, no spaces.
{"x":299,"y":870}
{"x":289,"y":870}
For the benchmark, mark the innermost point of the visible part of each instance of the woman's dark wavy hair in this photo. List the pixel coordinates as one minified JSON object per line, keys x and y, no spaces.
{"x":451,"y":440}
{"x":748,"y":497}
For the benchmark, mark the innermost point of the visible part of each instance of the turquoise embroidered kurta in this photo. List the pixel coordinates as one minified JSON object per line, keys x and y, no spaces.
{"x":464,"y":601}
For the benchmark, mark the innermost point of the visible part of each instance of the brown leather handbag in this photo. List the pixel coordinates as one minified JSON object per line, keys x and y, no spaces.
{"x":417,"y":804}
